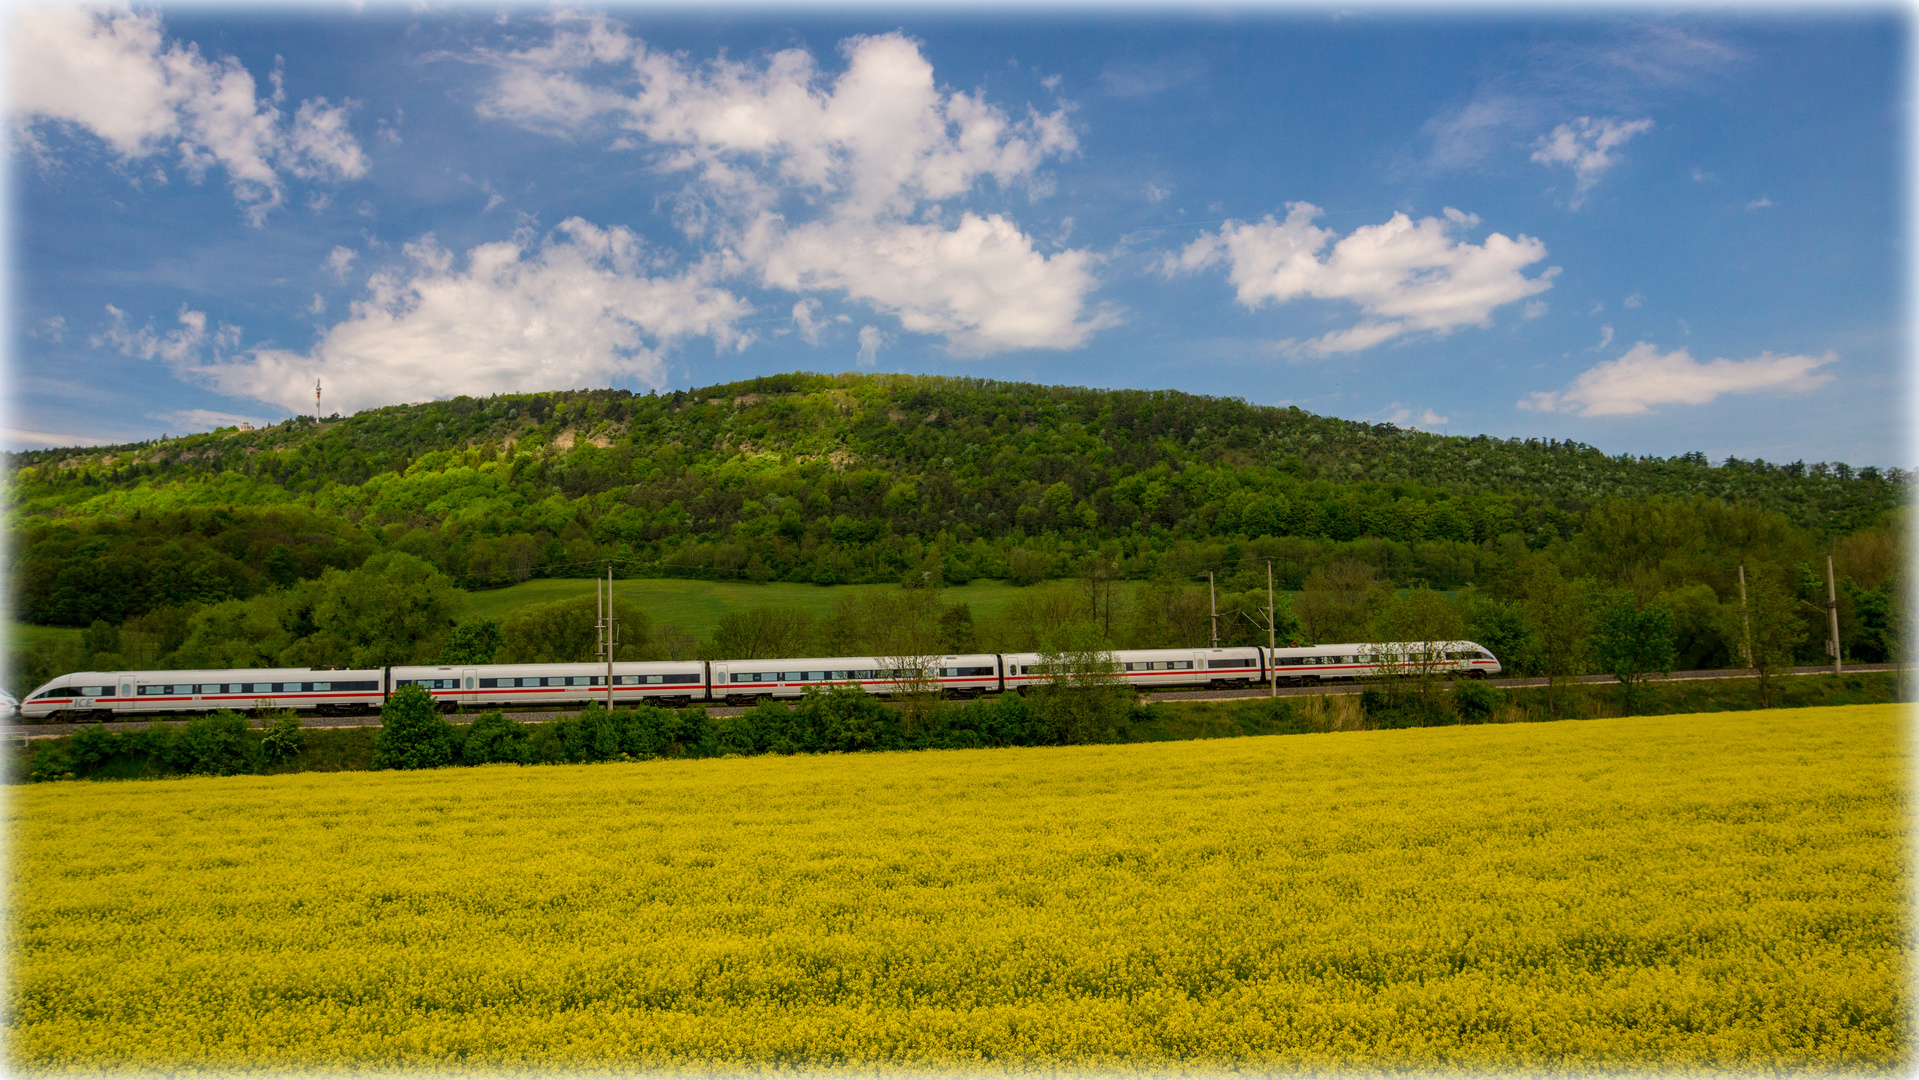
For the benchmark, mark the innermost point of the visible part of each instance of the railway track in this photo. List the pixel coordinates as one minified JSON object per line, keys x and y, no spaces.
{"x":54,"y":730}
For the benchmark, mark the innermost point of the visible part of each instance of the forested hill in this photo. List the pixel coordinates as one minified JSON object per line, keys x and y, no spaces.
{"x":841,"y":478}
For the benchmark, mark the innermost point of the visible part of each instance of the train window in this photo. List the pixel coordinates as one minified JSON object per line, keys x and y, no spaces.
{"x":326,"y":686}
{"x":96,"y":691}
{"x":262,"y":688}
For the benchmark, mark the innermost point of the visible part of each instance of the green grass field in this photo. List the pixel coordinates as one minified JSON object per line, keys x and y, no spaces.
{"x":25,"y":635}
{"x":698,"y":606}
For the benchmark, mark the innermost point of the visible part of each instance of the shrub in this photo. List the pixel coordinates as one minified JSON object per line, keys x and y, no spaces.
{"x":838,"y":718}
{"x":90,"y":746}
{"x":494,"y":737}
{"x":283,"y":740}
{"x":598,"y":734}
{"x":413,"y":734}
{"x":1476,"y":701}
{"x":1270,"y":716}
{"x":215,"y":745}
{"x":1399,"y":705}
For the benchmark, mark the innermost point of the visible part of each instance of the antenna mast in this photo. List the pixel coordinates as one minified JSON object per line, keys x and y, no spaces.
{"x":316,"y":399}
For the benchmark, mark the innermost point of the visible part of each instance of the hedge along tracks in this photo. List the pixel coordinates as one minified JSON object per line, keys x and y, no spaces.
{"x":55,"y":730}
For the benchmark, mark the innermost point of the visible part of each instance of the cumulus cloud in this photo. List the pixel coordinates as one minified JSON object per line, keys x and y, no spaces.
{"x":1589,"y":146}
{"x":580,"y":308}
{"x":804,"y":320}
{"x":1424,"y":420}
{"x":1645,"y":378}
{"x":1406,"y":276}
{"x":829,"y":182}
{"x":340,"y":260}
{"x":184,"y":344}
{"x":112,"y":72}
{"x":872,"y":340}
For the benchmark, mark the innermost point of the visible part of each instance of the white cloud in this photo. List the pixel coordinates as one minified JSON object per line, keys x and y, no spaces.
{"x":205,"y":419}
{"x":1464,"y":138}
{"x":872,"y":340}
{"x":980,"y":284}
{"x":809,"y":327}
{"x":1644,"y":378}
{"x":818,"y":182}
{"x":318,"y":307}
{"x":111,"y":71}
{"x":1534,"y":309}
{"x":340,"y":260}
{"x":577,"y":309}
{"x":1403,"y":416}
{"x":321,"y":145}
{"x":181,"y":345}
{"x":1605,"y":338}
{"x":1405,"y":276}
{"x":1587,"y":145}
{"x":52,"y":328}
{"x":1759,"y":204}
{"x":1637,"y":299}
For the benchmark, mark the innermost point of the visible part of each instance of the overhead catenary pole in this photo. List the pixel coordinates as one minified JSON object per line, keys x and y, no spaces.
{"x":1212,"y":603}
{"x":1272,"y":631}
{"x":1832,"y":610}
{"x":611,"y":636}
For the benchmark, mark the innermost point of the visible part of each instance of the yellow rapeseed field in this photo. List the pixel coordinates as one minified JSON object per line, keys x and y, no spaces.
{"x":1720,"y":892}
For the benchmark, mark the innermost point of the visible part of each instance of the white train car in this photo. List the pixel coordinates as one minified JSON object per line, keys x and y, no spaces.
{"x":1363,"y":660}
{"x":1157,"y":667}
{"x":536,"y":686}
{"x":140,"y":693}
{"x":748,"y":680}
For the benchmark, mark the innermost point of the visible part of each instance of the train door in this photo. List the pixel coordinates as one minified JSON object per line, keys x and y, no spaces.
{"x":469,"y":684}
{"x":126,"y":703}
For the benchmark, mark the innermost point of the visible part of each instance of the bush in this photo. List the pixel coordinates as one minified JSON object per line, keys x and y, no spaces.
{"x":597,"y":734}
{"x":1270,"y":716}
{"x":214,"y":745}
{"x":493,"y":738}
{"x":838,"y":718}
{"x":90,"y":746}
{"x":413,"y":734}
{"x":1402,"y":706}
{"x":1476,"y":701}
{"x":283,"y":740}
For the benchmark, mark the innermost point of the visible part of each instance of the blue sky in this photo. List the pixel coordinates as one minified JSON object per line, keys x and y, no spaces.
{"x":1651,"y":234}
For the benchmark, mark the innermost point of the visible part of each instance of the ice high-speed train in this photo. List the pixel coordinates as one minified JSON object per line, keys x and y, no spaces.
{"x":685,"y":682}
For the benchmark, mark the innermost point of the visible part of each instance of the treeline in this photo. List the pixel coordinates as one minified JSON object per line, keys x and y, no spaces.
{"x":836,"y":479}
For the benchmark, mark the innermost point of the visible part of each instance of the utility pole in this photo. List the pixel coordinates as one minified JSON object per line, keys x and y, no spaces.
{"x":1832,"y":609}
{"x":610,"y":624}
{"x":1272,"y":632}
{"x":1745,"y":617}
{"x":1212,"y":602}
